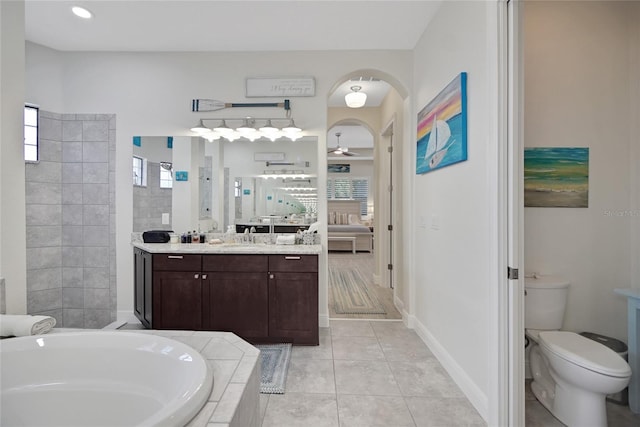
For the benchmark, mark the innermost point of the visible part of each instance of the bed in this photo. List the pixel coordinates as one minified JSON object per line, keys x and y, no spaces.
{"x":345,"y":231}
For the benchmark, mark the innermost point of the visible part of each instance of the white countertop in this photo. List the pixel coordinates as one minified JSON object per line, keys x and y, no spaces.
{"x":227,"y":248}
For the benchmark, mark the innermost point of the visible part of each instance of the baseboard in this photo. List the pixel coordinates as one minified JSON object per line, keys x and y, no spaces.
{"x":477,"y":398}
{"x":323,"y":320}
{"x":116,"y":325}
{"x":398,"y":303}
{"x":127,"y":316}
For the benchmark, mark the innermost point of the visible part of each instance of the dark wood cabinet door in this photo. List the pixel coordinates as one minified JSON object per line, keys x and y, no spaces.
{"x":293,"y":307}
{"x":238,"y":302}
{"x":177,"y":300}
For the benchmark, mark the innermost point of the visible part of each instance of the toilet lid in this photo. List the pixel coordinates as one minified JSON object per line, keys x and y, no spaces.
{"x":585,"y":352}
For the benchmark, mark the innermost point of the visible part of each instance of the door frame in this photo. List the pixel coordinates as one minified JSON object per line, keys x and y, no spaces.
{"x":510,"y":409}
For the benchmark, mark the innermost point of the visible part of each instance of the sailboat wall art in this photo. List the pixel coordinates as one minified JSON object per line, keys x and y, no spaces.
{"x":556,"y":177}
{"x":442,"y":128}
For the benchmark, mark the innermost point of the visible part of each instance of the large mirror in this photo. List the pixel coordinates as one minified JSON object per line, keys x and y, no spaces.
{"x":188,"y":183}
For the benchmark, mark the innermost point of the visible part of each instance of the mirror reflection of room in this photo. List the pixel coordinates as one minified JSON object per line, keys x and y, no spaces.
{"x":190,"y":184}
{"x":350,"y":188}
{"x":152,"y":183}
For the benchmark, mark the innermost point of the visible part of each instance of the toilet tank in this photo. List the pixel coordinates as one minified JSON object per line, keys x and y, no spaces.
{"x":544,"y":302}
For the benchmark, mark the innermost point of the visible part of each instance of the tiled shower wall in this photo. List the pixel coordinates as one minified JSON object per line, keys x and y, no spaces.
{"x":70,"y":198}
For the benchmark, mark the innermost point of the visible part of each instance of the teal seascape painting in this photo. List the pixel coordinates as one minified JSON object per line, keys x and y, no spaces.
{"x":556,"y":177}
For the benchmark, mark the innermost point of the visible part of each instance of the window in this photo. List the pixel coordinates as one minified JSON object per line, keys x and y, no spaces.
{"x":351,"y":189}
{"x":166,"y":180}
{"x":237,"y":188}
{"x":30,"y":133}
{"x":139,"y":171}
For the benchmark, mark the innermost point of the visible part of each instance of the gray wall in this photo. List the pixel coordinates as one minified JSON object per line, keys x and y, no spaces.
{"x":70,"y":216}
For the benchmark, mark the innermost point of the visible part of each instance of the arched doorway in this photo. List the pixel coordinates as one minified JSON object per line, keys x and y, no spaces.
{"x":380,"y":117}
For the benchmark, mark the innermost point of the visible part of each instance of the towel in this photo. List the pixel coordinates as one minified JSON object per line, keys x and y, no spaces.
{"x":313,"y":228}
{"x":12,"y":325}
{"x":286,"y":240}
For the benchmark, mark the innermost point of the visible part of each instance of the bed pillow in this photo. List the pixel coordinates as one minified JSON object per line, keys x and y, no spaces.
{"x":344,"y":218}
{"x":354,"y":219}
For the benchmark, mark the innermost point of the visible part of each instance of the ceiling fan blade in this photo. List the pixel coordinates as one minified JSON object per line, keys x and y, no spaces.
{"x":348,"y":153}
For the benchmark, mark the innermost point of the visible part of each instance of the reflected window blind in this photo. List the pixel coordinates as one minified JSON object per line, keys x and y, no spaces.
{"x":361,"y":192}
{"x":350,"y":189}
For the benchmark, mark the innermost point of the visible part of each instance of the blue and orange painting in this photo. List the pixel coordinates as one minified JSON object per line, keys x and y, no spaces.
{"x":556,"y":177}
{"x":442,"y":128}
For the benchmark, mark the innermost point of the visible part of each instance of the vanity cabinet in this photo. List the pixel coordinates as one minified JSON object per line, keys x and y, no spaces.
{"x":293,"y":298}
{"x":178,"y":285}
{"x":259,"y":297}
{"x":236,"y":298}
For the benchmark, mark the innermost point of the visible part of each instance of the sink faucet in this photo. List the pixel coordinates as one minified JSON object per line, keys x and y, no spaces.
{"x":272,"y":227}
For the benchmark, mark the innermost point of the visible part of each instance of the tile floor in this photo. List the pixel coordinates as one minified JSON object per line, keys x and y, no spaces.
{"x":536,"y":415}
{"x":367,"y":373}
{"x":379,"y":373}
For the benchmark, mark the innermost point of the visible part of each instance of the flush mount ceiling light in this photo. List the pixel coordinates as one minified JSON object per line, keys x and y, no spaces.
{"x":355,"y":98}
{"x":81,"y":12}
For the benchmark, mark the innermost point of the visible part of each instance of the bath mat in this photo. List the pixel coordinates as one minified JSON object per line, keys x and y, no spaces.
{"x":275,"y":365}
{"x":350,"y":293}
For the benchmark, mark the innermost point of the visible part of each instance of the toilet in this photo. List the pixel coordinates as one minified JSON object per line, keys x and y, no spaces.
{"x":572,"y":374}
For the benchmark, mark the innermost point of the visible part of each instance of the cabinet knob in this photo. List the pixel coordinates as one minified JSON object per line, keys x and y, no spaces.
{"x":204,"y":276}
{"x":271,"y":276}
{"x":195,"y":276}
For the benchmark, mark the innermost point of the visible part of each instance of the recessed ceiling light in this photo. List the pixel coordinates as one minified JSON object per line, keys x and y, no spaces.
{"x":81,"y":12}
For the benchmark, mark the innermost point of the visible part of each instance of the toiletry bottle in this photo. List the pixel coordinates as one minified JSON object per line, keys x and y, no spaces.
{"x":183,"y":238}
{"x":195,"y":238}
{"x":189,"y":237}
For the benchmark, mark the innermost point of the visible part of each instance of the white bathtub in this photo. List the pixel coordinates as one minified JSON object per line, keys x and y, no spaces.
{"x":101,"y":379}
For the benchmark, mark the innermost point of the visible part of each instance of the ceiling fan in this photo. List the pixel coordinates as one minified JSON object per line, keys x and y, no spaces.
{"x":341,"y":150}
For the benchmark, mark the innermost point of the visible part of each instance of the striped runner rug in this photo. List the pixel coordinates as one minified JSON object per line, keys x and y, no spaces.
{"x":274,"y":366}
{"x":350,"y":293}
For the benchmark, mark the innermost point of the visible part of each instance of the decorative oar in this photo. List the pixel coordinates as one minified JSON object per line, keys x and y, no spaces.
{"x":198,"y":105}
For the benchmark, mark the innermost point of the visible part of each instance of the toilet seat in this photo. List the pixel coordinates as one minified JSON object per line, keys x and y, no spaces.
{"x":585,"y":353}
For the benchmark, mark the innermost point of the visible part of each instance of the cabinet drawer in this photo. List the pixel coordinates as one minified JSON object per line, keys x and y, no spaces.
{"x":242,"y":263}
{"x":293,"y":263}
{"x":177,"y":262}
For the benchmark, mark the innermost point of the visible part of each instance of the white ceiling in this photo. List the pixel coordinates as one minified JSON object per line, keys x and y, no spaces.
{"x":234,"y":25}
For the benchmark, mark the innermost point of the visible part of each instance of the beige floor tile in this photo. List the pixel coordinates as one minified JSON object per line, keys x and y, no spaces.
{"x":310,"y":376}
{"x":537,"y":415}
{"x":443,"y":412}
{"x":426,"y":378}
{"x":365,"y":377}
{"x":301,"y":410}
{"x":404,"y":346}
{"x":322,"y":351}
{"x":389,"y":328}
{"x":621,"y":416}
{"x":351,"y":328}
{"x":356,"y":348}
{"x":373,"y":411}
{"x":264,"y":402}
